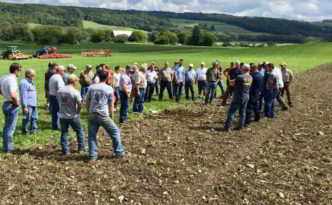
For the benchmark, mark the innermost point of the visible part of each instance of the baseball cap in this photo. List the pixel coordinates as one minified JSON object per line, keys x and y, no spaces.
{"x":283,"y":63}
{"x":202,"y":63}
{"x":88,"y":66}
{"x":128,"y":67}
{"x":191,"y":65}
{"x":246,"y":66}
{"x":72,"y":78}
{"x":71,"y":66}
{"x":144,"y":66}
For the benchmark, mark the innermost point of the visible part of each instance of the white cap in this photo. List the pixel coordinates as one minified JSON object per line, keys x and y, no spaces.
{"x":191,"y":65}
{"x":202,"y":63}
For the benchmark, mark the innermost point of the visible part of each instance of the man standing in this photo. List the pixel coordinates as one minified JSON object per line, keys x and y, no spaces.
{"x":255,"y":93}
{"x":125,"y":91}
{"x":271,"y":92}
{"x":11,"y":106}
{"x":151,"y":77}
{"x":212,"y":77}
{"x":116,"y":85}
{"x":70,"y":70}
{"x":220,"y":82}
{"x":287,"y":76}
{"x":70,"y":107}
{"x":165,"y":82}
{"x":232,"y":74}
{"x":281,"y":86}
{"x":241,"y":85}
{"x":140,"y":84}
{"x":28,"y":94}
{"x":173,"y":78}
{"x":180,"y":77}
{"x":265,"y":74}
{"x":201,"y":79}
{"x":99,"y":104}
{"x":86,"y":77}
{"x":189,"y":82}
{"x":56,"y":82}
{"x":50,"y":72}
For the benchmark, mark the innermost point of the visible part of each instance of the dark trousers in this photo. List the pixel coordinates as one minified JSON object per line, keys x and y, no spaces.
{"x":149,"y":92}
{"x":269,"y":104}
{"x":201,"y":86}
{"x":139,"y":101}
{"x":117,"y":96}
{"x":189,"y":86}
{"x":156,"y":86}
{"x":261,"y":100}
{"x":123,"y":106}
{"x":222,"y":88}
{"x":288,"y":93}
{"x":179,"y":87}
{"x":281,"y":101}
{"x":164,"y":85}
{"x":174,"y":88}
{"x":240,"y":105}
{"x":253,"y":105}
{"x":55,"y":109}
{"x":228,"y":93}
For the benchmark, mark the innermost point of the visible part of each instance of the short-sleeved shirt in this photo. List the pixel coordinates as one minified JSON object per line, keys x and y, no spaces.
{"x":86,"y":78}
{"x":68,"y":97}
{"x":48,"y":76}
{"x":28,"y":93}
{"x":287,"y":75}
{"x":242,"y":87}
{"x":134,"y":77}
{"x":65,"y":78}
{"x":9,"y":85}
{"x":201,"y":74}
{"x":151,"y":76}
{"x":190,"y":75}
{"x":272,"y":82}
{"x":257,"y":84}
{"x":125,"y":81}
{"x":142,"y":83}
{"x":116,"y":80}
{"x":99,"y":97}
{"x":56,"y":82}
{"x":278,"y":73}
{"x":212,"y":75}
{"x":180,"y":74}
{"x":166,"y":75}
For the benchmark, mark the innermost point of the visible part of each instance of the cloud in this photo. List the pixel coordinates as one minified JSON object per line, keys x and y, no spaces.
{"x":308,"y":10}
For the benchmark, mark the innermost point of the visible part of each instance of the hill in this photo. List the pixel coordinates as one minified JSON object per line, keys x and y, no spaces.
{"x":150,"y":20}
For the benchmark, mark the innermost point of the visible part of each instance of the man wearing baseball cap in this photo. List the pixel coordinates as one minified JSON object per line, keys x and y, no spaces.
{"x":70,"y":70}
{"x":125,"y":92}
{"x":212,"y":77}
{"x":86,"y":77}
{"x":201,"y":79}
{"x":70,"y":107}
{"x":189,"y":82}
{"x":241,"y":85}
{"x":287,"y":76}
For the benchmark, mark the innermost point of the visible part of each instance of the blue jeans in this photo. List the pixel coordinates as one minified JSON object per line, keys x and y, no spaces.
{"x":261,"y":100}
{"x":29,"y":122}
{"x":211,"y":89}
{"x":10,"y":111}
{"x":269,"y":98}
{"x":189,"y":86}
{"x":164,"y":85}
{"x":76,"y":125}
{"x":179,"y":87}
{"x":139,"y":101}
{"x":240,"y":105}
{"x":222,"y":88}
{"x":55,"y":109}
{"x":95,"y":121}
{"x":253,"y":105}
{"x":84,"y":91}
{"x":123,"y":107}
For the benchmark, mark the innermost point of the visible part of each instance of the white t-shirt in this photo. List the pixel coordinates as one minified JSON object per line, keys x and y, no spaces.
{"x":96,"y":80}
{"x":201,"y":73}
{"x":68,"y":97}
{"x":9,"y":85}
{"x":56,"y":82}
{"x":99,"y":97}
{"x":278,"y":73}
{"x":151,"y":76}
{"x":116,"y":77}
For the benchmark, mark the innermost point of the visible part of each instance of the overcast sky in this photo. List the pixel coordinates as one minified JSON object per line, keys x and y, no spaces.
{"x":308,"y":10}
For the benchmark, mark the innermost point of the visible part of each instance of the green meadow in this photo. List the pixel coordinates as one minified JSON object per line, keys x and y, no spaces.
{"x":299,"y":58}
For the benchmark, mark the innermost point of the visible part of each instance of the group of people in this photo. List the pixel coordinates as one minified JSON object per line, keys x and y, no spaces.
{"x":250,"y":86}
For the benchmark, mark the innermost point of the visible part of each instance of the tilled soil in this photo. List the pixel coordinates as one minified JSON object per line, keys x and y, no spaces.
{"x":181,"y":156}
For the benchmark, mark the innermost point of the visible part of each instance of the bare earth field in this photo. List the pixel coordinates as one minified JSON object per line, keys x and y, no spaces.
{"x":181,"y":156}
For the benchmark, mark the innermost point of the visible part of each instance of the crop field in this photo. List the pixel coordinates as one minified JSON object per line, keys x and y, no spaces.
{"x":179,"y":155}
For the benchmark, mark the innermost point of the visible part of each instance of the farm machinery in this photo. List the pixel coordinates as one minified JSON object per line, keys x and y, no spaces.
{"x":97,"y":52}
{"x":49,"y":52}
{"x":13,"y":54}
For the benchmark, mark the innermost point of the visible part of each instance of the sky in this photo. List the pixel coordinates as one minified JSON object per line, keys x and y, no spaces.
{"x":306,"y":10}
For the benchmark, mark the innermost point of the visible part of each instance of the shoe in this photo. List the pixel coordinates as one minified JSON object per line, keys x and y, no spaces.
{"x":239,"y":128}
{"x":121,"y":155}
{"x":13,"y":151}
{"x":226,"y":129}
{"x":284,"y":108}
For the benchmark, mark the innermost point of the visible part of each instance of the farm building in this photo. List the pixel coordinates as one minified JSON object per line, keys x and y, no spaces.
{"x":128,"y":33}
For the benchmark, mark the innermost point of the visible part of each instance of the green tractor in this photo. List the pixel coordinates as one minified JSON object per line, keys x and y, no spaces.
{"x":13,"y":54}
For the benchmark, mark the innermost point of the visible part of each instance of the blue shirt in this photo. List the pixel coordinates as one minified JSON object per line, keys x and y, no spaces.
{"x":257,"y":83}
{"x":180,"y":74}
{"x":28,"y":93}
{"x":234,"y":73}
{"x":262,"y":72}
{"x":242,"y":87}
{"x":190,"y":75}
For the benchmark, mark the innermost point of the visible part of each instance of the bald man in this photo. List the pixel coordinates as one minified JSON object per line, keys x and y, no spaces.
{"x":28,"y":95}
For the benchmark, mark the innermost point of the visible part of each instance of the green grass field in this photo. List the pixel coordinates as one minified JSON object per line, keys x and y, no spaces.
{"x":299,"y":58}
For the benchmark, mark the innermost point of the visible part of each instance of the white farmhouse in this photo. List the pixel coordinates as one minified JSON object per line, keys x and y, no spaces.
{"x":116,"y":33}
